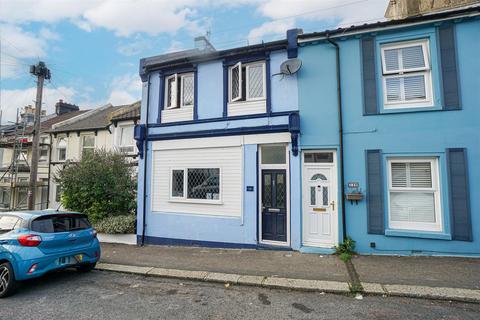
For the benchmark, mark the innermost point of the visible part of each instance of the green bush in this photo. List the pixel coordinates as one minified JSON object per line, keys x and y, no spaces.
{"x":102,"y":184}
{"x":116,"y":224}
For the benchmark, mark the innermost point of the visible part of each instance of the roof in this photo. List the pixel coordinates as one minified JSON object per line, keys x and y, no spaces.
{"x":95,"y":119}
{"x":370,"y":27}
{"x":49,"y":121}
{"x":127,"y":112}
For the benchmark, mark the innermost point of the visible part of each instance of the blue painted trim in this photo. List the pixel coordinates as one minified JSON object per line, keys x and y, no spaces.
{"x":246,"y":58}
{"x":292,"y":45}
{"x":208,"y":244}
{"x":161,"y":96}
{"x":225,"y":90}
{"x":195,"y":93}
{"x":170,"y":71}
{"x":268,"y":85}
{"x":257,"y":183}
{"x":316,"y":250}
{"x":242,"y":117}
{"x":219,"y":132}
{"x":417,"y":234}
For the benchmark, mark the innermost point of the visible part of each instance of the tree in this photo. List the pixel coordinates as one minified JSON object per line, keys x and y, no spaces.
{"x":102,"y":184}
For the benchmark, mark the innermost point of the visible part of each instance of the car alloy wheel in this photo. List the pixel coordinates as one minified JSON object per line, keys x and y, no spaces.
{"x":4,"y":278}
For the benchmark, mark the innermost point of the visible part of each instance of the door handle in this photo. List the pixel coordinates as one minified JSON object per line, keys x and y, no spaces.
{"x":333,"y":205}
{"x":274,"y":210}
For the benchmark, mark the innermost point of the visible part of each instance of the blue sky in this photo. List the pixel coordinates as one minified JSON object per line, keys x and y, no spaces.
{"x":93,"y":47}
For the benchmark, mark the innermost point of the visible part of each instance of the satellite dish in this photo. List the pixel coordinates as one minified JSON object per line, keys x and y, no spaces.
{"x":290,"y":66}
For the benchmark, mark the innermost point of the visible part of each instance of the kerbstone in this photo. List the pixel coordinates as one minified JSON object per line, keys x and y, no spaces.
{"x":251,"y":280}
{"x":434,"y":292}
{"x":373,"y":288}
{"x":222,"y":277}
{"x":311,"y":285}
{"x":123,"y":268}
{"x":181,"y":274}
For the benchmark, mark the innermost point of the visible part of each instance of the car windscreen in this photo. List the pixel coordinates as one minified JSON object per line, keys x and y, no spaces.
{"x":60,"y":223}
{"x":9,"y":223}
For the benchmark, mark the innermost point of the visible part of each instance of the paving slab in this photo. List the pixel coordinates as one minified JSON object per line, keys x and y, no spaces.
{"x":419,"y":271}
{"x":271,"y":263}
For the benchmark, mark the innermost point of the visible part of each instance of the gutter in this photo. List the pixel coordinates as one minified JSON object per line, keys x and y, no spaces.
{"x":389,"y":25}
{"x":145,"y":156}
{"x":340,"y":135}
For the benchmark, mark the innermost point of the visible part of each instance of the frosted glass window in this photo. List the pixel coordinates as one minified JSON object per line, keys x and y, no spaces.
{"x":274,"y":154}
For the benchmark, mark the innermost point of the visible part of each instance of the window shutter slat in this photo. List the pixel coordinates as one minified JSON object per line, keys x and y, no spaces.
{"x":412,"y":206}
{"x":414,"y":87}
{"x":392,"y":59}
{"x":459,"y":194}
{"x":370,"y":105}
{"x":412,"y":57}
{"x":448,"y":58}
{"x":420,"y":175}
{"x":375,"y":193}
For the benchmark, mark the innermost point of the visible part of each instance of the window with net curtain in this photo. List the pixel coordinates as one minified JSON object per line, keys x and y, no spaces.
{"x":88,"y":144}
{"x":62,"y":149}
{"x":406,"y":76}
{"x":414,"y":198}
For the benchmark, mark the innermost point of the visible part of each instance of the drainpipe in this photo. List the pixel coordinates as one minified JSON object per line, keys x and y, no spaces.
{"x":340,"y":135}
{"x":145,"y":155}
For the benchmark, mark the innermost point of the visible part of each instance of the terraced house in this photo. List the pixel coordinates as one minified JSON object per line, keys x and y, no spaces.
{"x":368,"y":131}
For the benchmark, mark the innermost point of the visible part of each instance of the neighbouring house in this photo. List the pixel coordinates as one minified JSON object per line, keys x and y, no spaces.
{"x":376,"y":137}
{"x":16,"y":154}
{"x":409,"y":133}
{"x":108,"y":127}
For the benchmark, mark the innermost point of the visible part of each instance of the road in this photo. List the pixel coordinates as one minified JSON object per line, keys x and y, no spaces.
{"x":105,"y":295}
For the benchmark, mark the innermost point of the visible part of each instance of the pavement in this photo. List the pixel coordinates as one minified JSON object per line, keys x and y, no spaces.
{"x":443,"y":278}
{"x":118,"y":296}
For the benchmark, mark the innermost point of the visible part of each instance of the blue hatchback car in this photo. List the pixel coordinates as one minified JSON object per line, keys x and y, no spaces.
{"x":33,"y":243}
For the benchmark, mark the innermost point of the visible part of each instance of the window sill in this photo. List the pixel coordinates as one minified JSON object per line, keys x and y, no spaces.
{"x":418,"y":234}
{"x":196,"y":201}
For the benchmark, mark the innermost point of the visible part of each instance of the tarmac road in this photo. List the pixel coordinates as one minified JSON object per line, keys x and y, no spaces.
{"x":106,"y":295}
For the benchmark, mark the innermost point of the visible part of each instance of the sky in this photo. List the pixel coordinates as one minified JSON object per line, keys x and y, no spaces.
{"x":93,"y":47}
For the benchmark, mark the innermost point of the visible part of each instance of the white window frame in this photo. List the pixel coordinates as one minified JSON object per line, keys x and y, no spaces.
{"x":119,"y":144}
{"x":436,"y":226}
{"x":247,"y":66}
{"x":57,"y":149}
{"x":185,"y":186}
{"x":174,"y":103}
{"x":82,"y":147}
{"x":182,"y":78}
{"x":401,"y":73}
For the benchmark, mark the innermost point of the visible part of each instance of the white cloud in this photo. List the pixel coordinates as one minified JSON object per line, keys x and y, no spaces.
{"x":272,"y":28}
{"x":125,"y":89}
{"x":18,"y":98}
{"x":134,"y":46}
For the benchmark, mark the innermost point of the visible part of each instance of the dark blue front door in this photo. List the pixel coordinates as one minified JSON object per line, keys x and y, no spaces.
{"x":274,"y":205}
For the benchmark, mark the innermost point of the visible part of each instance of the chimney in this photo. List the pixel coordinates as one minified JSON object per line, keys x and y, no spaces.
{"x":63,"y":107}
{"x":401,"y":9}
{"x":202,"y":44}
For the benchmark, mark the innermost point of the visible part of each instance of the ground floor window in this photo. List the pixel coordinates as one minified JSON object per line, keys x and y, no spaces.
{"x":414,"y":194}
{"x":195,"y":183}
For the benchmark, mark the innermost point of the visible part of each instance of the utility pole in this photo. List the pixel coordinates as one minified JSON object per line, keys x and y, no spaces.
{"x":41,"y":72}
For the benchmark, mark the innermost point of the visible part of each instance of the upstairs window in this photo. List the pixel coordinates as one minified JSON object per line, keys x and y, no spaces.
{"x":414,"y":197}
{"x":406,"y":77}
{"x":88,"y":144}
{"x":179,"y":91}
{"x":247,"y":82}
{"x":126,"y":142}
{"x":62,"y":149}
{"x":43,"y":149}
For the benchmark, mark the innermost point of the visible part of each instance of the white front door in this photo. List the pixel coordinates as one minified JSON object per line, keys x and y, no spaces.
{"x":320,"y":219}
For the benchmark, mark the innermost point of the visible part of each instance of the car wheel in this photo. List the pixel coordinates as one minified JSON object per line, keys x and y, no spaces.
{"x":7,"y":280}
{"x":87,"y":267}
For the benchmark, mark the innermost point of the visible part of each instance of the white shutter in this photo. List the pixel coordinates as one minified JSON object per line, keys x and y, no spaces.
{"x":412,"y":207}
{"x":394,"y":89}
{"x":391,"y":60}
{"x":399,"y":175}
{"x":420,"y":175}
{"x":413,"y":58}
{"x":414,"y":87}
{"x":236,"y":82}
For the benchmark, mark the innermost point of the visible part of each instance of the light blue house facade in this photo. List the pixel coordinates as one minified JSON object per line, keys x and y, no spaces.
{"x":219,"y":165}
{"x":407,"y":121}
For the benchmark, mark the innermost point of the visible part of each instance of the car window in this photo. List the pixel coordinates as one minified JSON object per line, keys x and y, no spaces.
{"x":60,"y":223}
{"x":9,"y":223}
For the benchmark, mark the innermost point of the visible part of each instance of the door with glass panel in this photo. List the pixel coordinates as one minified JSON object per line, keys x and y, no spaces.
{"x":274,"y":205}
{"x":319,"y":200}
